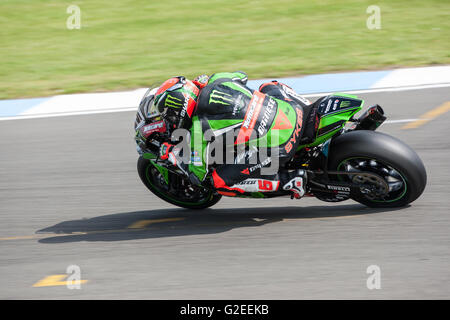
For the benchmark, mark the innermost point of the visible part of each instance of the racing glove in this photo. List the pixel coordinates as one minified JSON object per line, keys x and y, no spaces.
{"x":240,"y":76}
{"x":201,"y":81}
{"x":165,"y":153}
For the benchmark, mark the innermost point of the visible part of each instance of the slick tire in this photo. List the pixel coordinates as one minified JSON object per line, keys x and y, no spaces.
{"x":385,"y":150}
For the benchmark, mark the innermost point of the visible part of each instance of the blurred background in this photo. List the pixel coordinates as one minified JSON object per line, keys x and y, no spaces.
{"x":131,"y":43}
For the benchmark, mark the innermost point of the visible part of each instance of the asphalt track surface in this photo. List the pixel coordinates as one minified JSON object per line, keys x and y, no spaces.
{"x":70,"y":195}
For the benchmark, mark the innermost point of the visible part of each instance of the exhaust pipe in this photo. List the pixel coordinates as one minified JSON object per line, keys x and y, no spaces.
{"x":371,"y":119}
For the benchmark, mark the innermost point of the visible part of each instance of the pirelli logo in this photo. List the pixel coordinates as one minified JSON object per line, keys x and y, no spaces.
{"x":338,"y":188}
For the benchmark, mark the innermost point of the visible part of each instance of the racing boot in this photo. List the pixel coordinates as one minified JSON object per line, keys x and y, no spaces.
{"x":297,"y":181}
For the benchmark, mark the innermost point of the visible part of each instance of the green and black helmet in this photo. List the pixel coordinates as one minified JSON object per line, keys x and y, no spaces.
{"x":176,"y":100}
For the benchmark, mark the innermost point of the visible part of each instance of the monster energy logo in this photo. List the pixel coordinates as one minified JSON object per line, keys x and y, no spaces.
{"x":220,"y":97}
{"x":173,"y":102}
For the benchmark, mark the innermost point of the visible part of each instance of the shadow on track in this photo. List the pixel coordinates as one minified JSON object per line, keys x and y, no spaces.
{"x":181,"y":222}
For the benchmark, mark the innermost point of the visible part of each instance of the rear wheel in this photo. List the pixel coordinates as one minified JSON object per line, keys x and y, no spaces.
{"x":400,"y":175}
{"x":177,"y":192}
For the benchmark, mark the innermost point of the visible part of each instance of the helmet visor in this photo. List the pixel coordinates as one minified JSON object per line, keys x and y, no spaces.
{"x":152,"y":110}
{"x":147,"y":105}
{"x":147,"y":109}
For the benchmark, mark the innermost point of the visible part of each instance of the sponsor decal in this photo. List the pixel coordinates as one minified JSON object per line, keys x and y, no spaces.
{"x":185,"y":106}
{"x":338,"y":188}
{"x":335,"y":104}
{"x":286,"y":97}
{"x":173,"y":102}
{"x":257,"y":185}
{"x":250,"y":112}
{"x":282,"y":121}
{"x":262,"y":128}
{"x":147,"y":130}
{"x":296,"y":134}
{"x":188,"y":106}
{"x":260,"y":165}
{"x":344,"y":104}
{"x":267,"y":185}
{"x":251,"y":115}
{"x":220,"y":97}
{"x":328,"y":105}
{"x":196,"y":159}
{"x":294,"y":94}
{"x":247,"y":182}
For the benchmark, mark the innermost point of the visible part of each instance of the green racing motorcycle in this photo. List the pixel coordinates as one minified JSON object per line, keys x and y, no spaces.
{"x":348,"y":159}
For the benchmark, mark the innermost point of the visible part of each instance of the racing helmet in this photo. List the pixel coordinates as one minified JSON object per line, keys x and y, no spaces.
{"x":175,"y":100}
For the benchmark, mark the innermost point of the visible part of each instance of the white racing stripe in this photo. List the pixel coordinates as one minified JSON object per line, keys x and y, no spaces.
{"x":88,"y":102}
{"x":65,"y":114}
{"x":414,"y":77}
{"x":93,"y":103}
{"x":400,"y":121}
{"x":421,"y":87}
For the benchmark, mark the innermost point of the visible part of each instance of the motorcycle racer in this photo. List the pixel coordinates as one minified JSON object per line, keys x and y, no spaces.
{"x":222,"y":103}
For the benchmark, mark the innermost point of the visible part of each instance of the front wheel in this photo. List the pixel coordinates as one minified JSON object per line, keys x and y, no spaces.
{"x":390,"y":159}
{"x":177,"y":191}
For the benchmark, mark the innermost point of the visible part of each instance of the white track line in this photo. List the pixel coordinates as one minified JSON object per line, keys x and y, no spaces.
{"x":421,"y":87}
{"x":62,"y":114}
{"x":400,"y":121}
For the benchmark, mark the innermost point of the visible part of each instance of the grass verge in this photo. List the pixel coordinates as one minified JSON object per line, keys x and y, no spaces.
{"x":129,"y":44}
